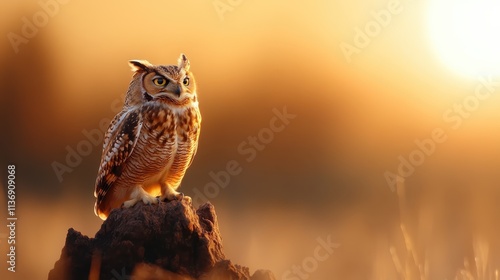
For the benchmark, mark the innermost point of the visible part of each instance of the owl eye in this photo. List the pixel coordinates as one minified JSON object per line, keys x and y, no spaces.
{"x":160,"y":81}
{"x":186,"y":81}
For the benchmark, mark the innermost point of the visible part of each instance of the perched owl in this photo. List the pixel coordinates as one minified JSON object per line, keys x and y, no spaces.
{"x":150,"y":144}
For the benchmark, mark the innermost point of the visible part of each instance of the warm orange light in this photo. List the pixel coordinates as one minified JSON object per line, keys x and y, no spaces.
{"x":465,"y":35}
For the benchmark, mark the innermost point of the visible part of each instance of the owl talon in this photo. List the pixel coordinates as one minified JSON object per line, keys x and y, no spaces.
{"x":150,"y":200}
{"x":140,"y":195}
{"x":172,"y":196}
{"x":129,"y":203}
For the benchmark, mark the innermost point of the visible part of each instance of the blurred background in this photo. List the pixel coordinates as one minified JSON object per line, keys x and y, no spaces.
{"x":366,"y":80}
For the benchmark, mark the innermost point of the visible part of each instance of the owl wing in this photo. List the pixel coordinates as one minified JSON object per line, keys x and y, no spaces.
{"x":195,"y":149}
{"x":115,"y":123}
{"x":119,"y":144}
{"x":195,"y":146}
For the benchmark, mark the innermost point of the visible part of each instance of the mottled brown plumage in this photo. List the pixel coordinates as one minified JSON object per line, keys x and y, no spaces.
{"x":152,"y":141}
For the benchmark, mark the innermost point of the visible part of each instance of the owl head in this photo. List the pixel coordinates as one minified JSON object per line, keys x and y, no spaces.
{"x":173,"y":84}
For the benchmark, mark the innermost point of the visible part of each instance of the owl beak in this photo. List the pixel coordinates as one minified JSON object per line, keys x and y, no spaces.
{"x":178,"y":90}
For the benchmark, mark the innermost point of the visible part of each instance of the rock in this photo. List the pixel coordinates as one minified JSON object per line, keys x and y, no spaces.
{"x":222,"y":270}
{"x":170,"y":240}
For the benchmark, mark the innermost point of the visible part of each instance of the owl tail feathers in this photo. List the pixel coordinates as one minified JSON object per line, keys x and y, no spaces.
{"x":99,"y":213}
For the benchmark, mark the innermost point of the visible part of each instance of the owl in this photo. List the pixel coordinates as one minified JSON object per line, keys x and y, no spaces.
{"x":149,"y":144}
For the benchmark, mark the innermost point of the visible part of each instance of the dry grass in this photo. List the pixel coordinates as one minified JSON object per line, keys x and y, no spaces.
{"x":410,"y":266}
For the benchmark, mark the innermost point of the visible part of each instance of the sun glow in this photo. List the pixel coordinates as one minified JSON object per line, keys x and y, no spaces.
{"x":466,"y":35}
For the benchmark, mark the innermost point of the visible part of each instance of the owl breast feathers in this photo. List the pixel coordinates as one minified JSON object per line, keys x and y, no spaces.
{"x":150,"y":144}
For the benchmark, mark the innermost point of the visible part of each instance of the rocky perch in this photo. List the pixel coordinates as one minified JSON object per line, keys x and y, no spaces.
{"x":170,"y":240}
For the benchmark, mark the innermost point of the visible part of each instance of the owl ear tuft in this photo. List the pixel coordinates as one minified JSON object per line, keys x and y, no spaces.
{"x":183,"y":62}
{"x":138,"y":65}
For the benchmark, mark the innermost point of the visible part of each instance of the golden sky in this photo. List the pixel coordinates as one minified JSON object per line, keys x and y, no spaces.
{"x":378,"y":88}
